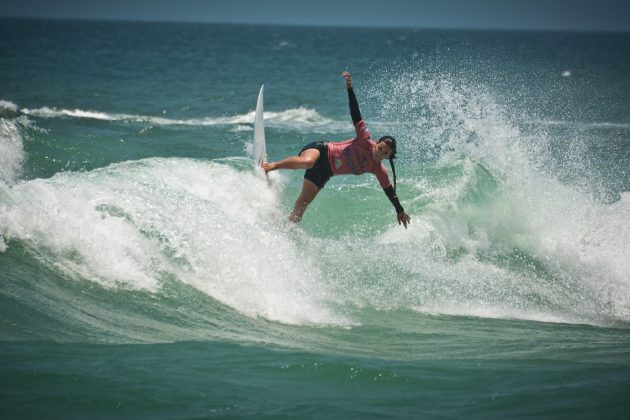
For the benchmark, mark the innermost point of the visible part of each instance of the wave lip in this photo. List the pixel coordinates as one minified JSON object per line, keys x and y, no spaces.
{"x":47,"y":112}
{"x":11,"y":152}
{"x":8,"y":106}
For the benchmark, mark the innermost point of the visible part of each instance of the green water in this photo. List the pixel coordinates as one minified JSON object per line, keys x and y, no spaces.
{"x":148,"y":270}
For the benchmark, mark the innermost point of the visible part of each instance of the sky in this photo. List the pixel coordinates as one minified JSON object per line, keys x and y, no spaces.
{"x":560,"y":15}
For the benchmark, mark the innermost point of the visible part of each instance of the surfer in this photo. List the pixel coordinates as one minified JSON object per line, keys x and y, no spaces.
{"x":356,"y":156}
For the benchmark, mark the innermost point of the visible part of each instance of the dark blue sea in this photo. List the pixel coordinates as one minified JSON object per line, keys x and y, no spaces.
{"x":148,"y":270}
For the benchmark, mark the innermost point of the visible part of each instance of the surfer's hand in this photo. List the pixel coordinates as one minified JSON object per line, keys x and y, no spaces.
{"x":269,"y":166}
{"x":403,"y":218}
{"x":348,"y":78}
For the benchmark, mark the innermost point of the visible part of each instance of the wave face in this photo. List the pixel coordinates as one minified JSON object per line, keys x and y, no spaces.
{"x":135,"y":198}
{"x":138,"y":226}
{"x":495,"y":234}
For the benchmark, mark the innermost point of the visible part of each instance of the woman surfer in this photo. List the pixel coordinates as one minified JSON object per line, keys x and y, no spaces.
{"x":355,"y":156}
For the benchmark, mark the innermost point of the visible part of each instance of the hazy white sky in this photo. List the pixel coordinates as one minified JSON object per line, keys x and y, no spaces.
{"x":607,"y":15}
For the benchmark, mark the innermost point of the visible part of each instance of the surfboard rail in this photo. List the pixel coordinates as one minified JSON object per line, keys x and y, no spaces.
{"x":260,"y":149}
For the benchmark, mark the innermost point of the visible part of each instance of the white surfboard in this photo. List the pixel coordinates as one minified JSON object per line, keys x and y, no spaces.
{"x":260,"y":149}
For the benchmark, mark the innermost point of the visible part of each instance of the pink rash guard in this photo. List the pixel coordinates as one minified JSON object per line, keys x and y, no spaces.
{"x":355,"y":156}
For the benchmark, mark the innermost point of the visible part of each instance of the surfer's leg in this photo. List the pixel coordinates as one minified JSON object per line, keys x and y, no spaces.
{"x":308,"y":193}
{"x":305,"y":160}
{"x":309,"y":158}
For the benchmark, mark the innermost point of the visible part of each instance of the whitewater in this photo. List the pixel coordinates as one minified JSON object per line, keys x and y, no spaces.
{"x":148,"y":269}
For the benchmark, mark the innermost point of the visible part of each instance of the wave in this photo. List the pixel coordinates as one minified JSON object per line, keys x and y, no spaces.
{"x":522,"y":231}
{"x":11,"y":151}
{"x":7,"y":106}
{"x":152,"y":228}
{"x":494,"y":233}
{"x":582,"y":125}
{"x":296,"y":118}
{"x":134,"y":225}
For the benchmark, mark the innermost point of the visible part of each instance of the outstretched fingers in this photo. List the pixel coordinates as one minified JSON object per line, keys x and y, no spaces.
{"x":404,"y":219}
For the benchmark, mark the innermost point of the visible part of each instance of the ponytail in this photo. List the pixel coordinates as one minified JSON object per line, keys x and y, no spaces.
{"x":391,"y":142}
{"x":391,"y":163}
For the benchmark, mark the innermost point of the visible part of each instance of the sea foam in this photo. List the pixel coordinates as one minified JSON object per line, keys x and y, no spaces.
{"x":8,"y":106}
{"x":11,"y":151}
{"x":136,"y":225}
{"x":505,"y":236}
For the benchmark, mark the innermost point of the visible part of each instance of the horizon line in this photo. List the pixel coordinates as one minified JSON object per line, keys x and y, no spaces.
{"x":318,"y":25}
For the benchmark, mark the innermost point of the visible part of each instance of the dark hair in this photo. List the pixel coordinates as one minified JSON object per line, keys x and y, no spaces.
{"x":391,"y":142}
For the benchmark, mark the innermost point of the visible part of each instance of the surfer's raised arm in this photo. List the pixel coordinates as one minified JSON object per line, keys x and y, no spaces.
{"x":352,"y":99}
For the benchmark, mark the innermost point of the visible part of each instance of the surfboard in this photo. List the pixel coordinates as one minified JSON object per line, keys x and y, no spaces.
{"x":260,"y":149}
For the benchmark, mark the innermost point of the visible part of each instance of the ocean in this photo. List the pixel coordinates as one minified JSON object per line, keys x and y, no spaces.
{"x":148,"y":270}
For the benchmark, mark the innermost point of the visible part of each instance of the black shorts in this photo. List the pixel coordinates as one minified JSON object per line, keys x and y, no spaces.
{"x":320,"y":173}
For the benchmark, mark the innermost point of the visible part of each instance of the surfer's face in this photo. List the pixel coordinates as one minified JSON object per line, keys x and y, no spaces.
{"x":381,"y":151}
